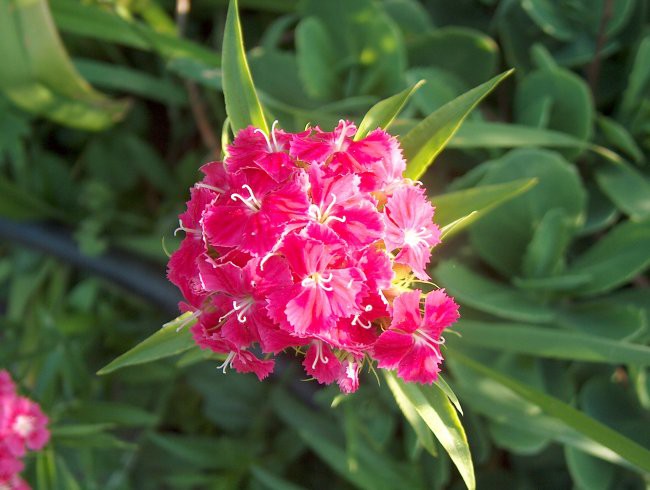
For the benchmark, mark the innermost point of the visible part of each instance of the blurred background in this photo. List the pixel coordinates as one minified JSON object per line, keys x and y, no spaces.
{"x":107,"y":111}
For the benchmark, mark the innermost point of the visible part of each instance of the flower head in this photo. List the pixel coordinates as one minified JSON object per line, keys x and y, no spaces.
{"x":298,"y":241}
{"x":23,"y":427}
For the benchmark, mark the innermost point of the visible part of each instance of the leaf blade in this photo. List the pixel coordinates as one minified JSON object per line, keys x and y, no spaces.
{"x":242,"y":104}
{"x":426,"y":140}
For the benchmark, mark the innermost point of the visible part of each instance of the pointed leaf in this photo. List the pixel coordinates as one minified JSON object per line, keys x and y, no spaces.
{"x":166,"y":342}
{"x":426,"y":140}
{"x":548,"y":342}
{"x":433,"y":406}
{"x":411,"y":414}
{"x":598,"y":432}
{"x":382,"y":114}
{"x":627,"y":188}
{"x":242,"y":104}
{"x":458,"y":205}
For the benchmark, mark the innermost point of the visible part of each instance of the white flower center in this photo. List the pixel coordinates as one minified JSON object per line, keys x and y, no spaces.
{"x":413,"y":237}
{"x":24,"y":425}
{"x":318,"y":279}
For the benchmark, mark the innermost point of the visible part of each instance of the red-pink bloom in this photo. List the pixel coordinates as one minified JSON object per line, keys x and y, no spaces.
{"x":412,"y":343}
{"x":325,"y":289}
{"x":23,"y":427}
{"x":258,"y":209}
{"x":410,"y":228}
{"x":293,"y":242}
{"x":7,"y":386}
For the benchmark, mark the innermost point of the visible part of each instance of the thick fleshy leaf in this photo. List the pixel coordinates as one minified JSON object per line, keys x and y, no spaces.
{"x":242,"y":105}
{"x":315,"y":57}
{"x":433,"y":406}
{"x":382,"y":114}
{"x":629,"y":450}
{"x":42,"y":78}
{"x":628,"y":188}
{"x":549,"y":342}
{"x":615,"y":259}
{"x":478,"y":200}
{"x":426,"y":140}
{"x":490,"y":296}
{"x":166,"y":342}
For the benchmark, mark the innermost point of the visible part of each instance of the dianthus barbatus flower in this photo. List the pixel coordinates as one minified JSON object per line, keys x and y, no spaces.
{"x":293,"y":242}
{"x":23,"y":427}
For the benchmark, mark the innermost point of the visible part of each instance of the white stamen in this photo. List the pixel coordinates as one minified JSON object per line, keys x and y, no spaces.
{"x":251,"y":201}
{"x":275,"y":141}
{"x":316,"y":279}
{"x":218,"y":190}
{"x":266,"y":138}
{"x":349,"y":284}
{"x":368,"y":308}
{"x":320,"y":356}
{"x":193,"y":231}
{"x":227,"y":363}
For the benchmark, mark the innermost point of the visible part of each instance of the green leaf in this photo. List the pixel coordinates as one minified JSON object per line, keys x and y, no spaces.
{"x":468,"y":54}
{"x":570,"y":108}
{"x":93,"y":21}
{"x":375,"y":471}
{"x":614,"y":259}
{"x":548,"y":342}
{"x":544,"y":255}
{"x":435,"y":409}
{"x":411,"y":414}
{"x":444,"y":386}
{"x":242,"y":105}
{"x":587,"y":472}
{"x":122,"y":78}
{"x":478,"y":200}
{"x":628,"y":188}
{"x":166,"y":342}
{"x":18,"y":204}
{"x":604,"y":318}
{"x":490,"y":296}
{"x":617,"y":135}
{"x":598,"y":432}
{"x":94,"y":412}
{"x":316,"y":59}
{"x":42,"y":79}
{"x":504,"y":235}
{"x":271,"y":481}
{"x":426,"y":140}
{"x":383,"y":113}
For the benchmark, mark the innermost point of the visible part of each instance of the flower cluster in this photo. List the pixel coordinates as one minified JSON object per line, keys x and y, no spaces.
{"x":309,"y":241}
{"x":23,"y":426}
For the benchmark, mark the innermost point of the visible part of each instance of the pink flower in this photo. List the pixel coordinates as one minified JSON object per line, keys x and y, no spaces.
{"x":258,"y":209}
{"x":409,"y":227}
{"x":7,"y":386}
{"x":23,"y":426}
{"x":326,"y":288}
{"x":299,"y":241}
{"x":412,"y":343}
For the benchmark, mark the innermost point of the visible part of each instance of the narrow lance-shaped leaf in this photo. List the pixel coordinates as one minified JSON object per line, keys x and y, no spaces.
{"x":173,"y":338}
{"x":435,"y":409}
{"x":384,"y":112}
{"x":551,"y":343}
{"x":242,"y":104}
{"x":621,"y":445}
{"x":411,"y":414}
{"x":469,"y":205}
{"x":426,"y":140}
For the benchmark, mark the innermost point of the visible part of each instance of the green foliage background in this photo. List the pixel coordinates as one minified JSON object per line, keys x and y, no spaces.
{"x":107,"y":109}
